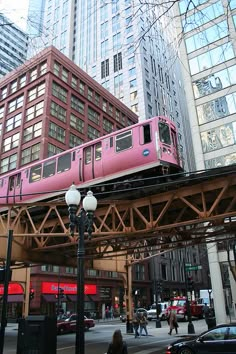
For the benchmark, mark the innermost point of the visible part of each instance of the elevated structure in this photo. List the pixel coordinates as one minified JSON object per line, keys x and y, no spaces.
{"x":188,"y":211}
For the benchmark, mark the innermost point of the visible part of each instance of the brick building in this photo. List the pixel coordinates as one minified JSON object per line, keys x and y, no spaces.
{"x":49,"y":105}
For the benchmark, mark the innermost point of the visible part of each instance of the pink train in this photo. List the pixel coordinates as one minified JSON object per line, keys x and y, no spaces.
{"x":145,"y":149}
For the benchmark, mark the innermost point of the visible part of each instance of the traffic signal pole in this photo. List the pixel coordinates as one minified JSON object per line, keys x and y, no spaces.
{"x":191,"y":329}
{"x":5,"y":294}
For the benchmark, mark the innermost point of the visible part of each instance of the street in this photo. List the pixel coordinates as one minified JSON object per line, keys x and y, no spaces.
{"x":98,"y":338}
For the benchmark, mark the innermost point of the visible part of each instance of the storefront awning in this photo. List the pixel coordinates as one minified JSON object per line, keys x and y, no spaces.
{"x":15,"y":298}
{"x":49,"y":298}
{"x":87,"y":298}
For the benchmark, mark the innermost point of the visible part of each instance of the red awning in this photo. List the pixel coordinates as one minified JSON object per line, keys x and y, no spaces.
{"x":49,"y":298}
{"x":87,"y":298}
{"x":15,"y":298}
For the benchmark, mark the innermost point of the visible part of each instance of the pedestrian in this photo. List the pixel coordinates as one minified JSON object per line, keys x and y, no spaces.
{"x":135,"y":323}
{"x":173,"y":322}
{"x":143,"y":325}
{"x":117,"y":346}
{"x":206,"y":310}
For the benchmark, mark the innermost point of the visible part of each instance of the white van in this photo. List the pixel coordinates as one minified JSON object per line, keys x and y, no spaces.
{"x":152,"y":313}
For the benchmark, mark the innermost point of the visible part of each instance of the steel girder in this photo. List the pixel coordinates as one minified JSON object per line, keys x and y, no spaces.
{"x":183,"y":214}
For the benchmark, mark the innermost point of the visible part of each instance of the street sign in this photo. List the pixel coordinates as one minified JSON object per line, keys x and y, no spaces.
{"x":196,"y":267}
{"x":188,"y":264}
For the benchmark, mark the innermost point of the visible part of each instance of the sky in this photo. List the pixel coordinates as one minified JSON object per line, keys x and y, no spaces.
{"x":16,"y":11}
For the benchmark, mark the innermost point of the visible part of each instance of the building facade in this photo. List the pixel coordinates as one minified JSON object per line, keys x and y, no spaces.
{"x":49,"y":105}
{"x":14,"y":45}
{"x":208,"y":53}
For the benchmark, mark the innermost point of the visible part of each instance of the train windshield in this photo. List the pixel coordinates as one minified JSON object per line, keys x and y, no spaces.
{"x":164,"y":132}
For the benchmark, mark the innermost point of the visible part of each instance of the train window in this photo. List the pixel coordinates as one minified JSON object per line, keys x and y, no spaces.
{"x":35,"y":173}
{"x":49,"y":168}
{"x":145,"y":134}
{"x":164,"y":133}
{"x":111,"y":141}
{"x":87,"y":155}
{"x":98,"y":151}
{"x":64,"y":163}
{"x":124,"y":141}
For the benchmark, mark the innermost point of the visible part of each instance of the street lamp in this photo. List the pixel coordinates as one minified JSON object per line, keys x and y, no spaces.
{"x":79,"y":223}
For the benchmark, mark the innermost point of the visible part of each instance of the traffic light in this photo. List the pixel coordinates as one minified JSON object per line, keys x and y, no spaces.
{"x":31,"y":294}
{"x":159,"y":287}
{"x":3,"y":275}
{"x":61,"y":293}
{"x":190,"y":283}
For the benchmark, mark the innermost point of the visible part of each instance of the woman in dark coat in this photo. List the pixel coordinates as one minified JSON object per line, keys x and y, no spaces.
{"x":117,"y":346}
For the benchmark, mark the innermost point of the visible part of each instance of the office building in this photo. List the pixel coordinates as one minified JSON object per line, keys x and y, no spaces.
{"x":13,"y":48}
{"x":208,"y":53}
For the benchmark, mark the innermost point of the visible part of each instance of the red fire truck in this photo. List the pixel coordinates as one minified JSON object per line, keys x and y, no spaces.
{"x":178,"y":304}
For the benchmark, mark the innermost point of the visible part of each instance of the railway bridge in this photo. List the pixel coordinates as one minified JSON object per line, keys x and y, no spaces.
{"x":132,"y":224}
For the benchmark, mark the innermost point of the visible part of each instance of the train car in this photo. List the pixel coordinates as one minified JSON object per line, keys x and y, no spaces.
{"x":145,"y":149}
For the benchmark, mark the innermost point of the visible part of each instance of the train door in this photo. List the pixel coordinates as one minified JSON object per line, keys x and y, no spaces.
{"x":175,"y":145}
{"x":14,"y":193}
{"x":92,"y":157}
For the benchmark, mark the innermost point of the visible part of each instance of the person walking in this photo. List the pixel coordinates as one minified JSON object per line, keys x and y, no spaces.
{"x":136,"y":323}
{"x":117,"y":346}
{"x":173,"y":322}
{"x":143,"y":325}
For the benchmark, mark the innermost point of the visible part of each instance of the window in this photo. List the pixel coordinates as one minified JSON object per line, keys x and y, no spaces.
{"x":77,"y":123}
{"x":123,"y":141}
{"x":30,"y":154}
{"x":104,"y":68}
{"x":117,"y":62}
{"x":33,"y":74}
{"x":87,"y":154}
{"x":64,"y":163}
{"x":65,"y":74}
{"x":82,"y":87}
{"x":107,"y":125}
{"x":56,"y":68}
{"x":22,"y":81}
{"x":53,"y":150}
{"x":33,"y":131}
{"x":49,"y":168}
{"x":11,"y":142}
{"x":98,"y":151}
{"x":77,"y":104}
{"x":93,"y":115}
{"x":13,"y":122}
{"x":146,"y":133}
{"x":104,"y":105}
{"x":75,"y":140}
{"x":74,"y":81}
{"x":36,"y":91}
{"x":56,"y":132}
{"x":133,"y":95}
{"x":13,"y":86}
{"x":34,"y":111}
{"x":57,"y":111}
{"x":93,"y":133}
{"x":15,"y":104}
{"x":59,"y":92}
{"x":163,"y":272}
{"x":132,"y":71}
{"x":133,"y":83}
{"x":8,"y":164}
{"x":164,"y":133}
{"x":42,"y":68}
{"x":90,"y":94}
{"x":139,"y":272}
{"x":3,"y":92}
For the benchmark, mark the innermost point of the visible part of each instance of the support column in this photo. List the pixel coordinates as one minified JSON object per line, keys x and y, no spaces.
{"x":233,"y":292}
{"x":216,"y":282}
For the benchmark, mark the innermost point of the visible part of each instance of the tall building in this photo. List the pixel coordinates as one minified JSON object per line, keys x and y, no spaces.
{"x":208,"y":53}
{"x":13,"y":46}
{"x":130,"y":49}
{"x":49,"y":105}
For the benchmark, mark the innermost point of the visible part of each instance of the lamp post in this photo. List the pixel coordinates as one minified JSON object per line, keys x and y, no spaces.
{"x":79,"y":223}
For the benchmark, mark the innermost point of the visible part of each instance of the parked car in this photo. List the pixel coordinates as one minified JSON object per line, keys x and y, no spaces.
{"x":139,"y":311}
{"x":69,"y":324}
{"x":152,"y":313}
{"x":220,"y":339}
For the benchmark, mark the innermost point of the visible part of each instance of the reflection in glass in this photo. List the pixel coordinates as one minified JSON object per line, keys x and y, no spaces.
{"x":220,"y":161}
{"x":207,"y":36}
{"x":218,"y":137}
{"x":212,"y":57}
{"x":215,"y":82}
